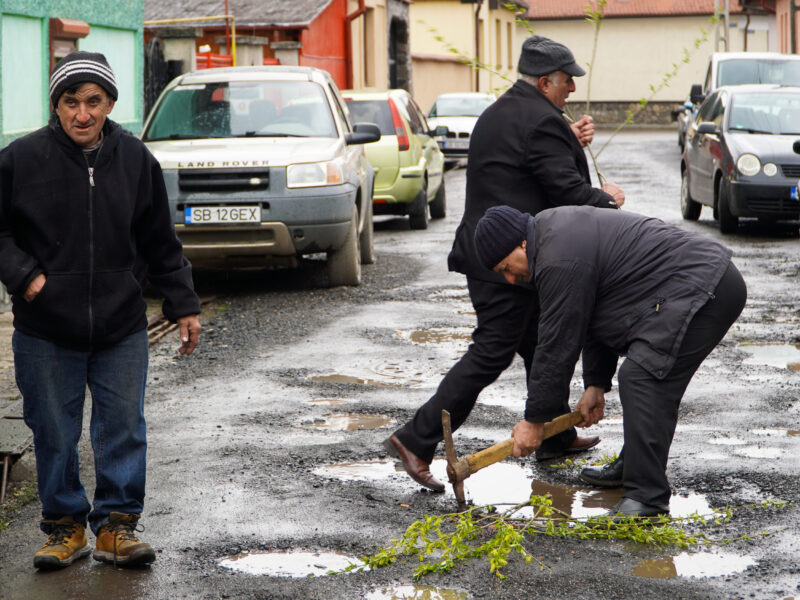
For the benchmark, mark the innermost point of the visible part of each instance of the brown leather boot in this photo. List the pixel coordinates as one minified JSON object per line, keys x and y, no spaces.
{"x":117,"y":542}
{"x":65,"y":544}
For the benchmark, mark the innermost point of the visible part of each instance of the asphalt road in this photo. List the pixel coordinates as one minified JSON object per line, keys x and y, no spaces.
{"x":268,"y":439}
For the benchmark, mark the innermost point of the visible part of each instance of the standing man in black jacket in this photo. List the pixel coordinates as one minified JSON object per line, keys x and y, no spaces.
{"x":522,"y":154}
{"x":615,"y":284}
{"x":83,"y":208}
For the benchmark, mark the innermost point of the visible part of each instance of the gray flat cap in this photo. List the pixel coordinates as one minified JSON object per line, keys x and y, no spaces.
{"x":541,"y":55}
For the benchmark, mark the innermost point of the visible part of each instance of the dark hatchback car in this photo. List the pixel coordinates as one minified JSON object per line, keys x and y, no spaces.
{"x":742,"y":156}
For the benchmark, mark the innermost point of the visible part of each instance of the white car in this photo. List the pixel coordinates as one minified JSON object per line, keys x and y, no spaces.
{"x":263,"y":166}
{"x":458,"y":112}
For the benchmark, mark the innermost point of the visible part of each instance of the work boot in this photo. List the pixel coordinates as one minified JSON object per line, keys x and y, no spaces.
{"x":66,"y":544}
{"x":117,"y":543}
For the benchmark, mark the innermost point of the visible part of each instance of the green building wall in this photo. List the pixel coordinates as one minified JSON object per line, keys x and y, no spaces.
{"x":116,"y":31}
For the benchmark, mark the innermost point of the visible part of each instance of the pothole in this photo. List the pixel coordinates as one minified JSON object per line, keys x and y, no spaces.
{"x":288,"y":564}
{"x":416,"y":592}
{"x":326,"y":402}
{"x":782,"y":356}
{"x":348,"y":379}
{"x":458,"y":336}
{"x":693,"y":564}
{"x":348,"y":422}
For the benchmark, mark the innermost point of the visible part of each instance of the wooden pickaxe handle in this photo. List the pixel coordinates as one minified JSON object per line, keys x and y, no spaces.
{"x":488,"y":456}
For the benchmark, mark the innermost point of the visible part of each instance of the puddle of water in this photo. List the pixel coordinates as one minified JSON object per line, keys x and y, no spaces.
{"x":358,"y":471}
{"x":693,"y":564}
{"x":759,"y":452}
{"x":348,"y":422}
{"x":783,"y":356}
{"x":337,"y":378}
{"x":288,"y":564}
{"x":461,"y":336}
{"x":326,"y":402}
{"x":416,"y":592}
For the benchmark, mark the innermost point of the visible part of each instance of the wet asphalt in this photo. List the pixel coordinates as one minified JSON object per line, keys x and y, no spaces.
{"x":268,"y":439}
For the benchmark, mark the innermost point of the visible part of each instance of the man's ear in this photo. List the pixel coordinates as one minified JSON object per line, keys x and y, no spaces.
{"x":110,"y":105}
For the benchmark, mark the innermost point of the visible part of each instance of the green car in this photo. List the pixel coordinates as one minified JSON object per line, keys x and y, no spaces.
{"x":409,"y":167}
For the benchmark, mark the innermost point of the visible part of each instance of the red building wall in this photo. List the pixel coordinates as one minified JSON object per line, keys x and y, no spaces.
{"x":324,"y":42}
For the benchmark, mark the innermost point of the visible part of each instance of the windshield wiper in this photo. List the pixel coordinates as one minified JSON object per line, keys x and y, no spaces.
{"x":748,"y":130}
{"x":256,"y":134}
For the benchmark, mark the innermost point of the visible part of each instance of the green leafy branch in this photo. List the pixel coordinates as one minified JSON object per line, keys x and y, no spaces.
{"x":440,"y":543}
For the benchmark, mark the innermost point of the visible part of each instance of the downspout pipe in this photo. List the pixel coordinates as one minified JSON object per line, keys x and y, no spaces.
{"x":348,"y":43}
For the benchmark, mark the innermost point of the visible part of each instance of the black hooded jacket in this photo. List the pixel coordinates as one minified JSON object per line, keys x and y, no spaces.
{"x":522,"y":153}
{"x":89,"y":235}
{"x":615,"y":284}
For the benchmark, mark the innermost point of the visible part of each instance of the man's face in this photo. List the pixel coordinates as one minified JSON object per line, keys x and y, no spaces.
{"x":83,"y":113}
{"x":515,"y":267}
{"x":557,"y":87}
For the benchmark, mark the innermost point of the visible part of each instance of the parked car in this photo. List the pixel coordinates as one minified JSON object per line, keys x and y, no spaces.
{"x":409,"y":167}
{"x":263,"y":166}
{"x":737,"y":68}
{"x":458,"y":112}
{"x":742,"y":156}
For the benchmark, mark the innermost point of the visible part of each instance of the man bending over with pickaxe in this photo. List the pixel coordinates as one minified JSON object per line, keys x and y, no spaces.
{"x":615,"y":284}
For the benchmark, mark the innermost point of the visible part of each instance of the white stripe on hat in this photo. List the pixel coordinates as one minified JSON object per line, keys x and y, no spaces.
{"x":75,"y":67}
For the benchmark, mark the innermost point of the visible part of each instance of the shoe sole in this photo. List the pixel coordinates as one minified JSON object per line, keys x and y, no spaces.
{"x":137,"y":558}
{"x":605,"y":483}
{"x":50,"y":562}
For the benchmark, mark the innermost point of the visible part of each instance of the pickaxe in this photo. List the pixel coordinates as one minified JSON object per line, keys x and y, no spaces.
{"x":459,"y":470}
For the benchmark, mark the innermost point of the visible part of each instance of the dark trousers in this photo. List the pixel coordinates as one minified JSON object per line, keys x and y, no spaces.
{"x":507,"y":325}
{"x":650,"y":405}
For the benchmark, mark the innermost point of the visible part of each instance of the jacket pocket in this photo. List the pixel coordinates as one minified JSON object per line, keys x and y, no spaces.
{"x":60,"y":311}
{"x":117,"y":304}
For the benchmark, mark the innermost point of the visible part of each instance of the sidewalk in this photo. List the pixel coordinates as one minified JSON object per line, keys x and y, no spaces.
{"x":8,"y":389}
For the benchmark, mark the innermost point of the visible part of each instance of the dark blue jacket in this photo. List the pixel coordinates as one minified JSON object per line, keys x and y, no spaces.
{"x":89,"y":237}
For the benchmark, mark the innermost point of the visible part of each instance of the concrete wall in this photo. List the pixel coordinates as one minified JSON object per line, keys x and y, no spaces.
{"x":116,"y":30}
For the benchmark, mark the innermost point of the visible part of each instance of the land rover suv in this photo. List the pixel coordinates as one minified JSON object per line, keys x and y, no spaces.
{"x":263,"y":166}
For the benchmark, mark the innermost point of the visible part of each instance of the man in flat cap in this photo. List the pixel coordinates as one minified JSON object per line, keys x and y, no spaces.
{"x":522,"y":153}
{"x":614,"y":284}
{"x":83,"y":208}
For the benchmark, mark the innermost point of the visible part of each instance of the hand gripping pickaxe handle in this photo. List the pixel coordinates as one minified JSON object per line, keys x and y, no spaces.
{"x":459,"y":470}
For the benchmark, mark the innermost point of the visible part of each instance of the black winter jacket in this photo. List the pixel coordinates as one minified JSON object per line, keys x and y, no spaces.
{"x":89,"y":235}
{"x":615,"y":284}
{"x":522,"y":153}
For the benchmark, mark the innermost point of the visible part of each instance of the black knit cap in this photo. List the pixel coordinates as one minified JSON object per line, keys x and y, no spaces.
{"x":81,"y":67}
{"x":498,"y":232}
{"x":542,"y":56}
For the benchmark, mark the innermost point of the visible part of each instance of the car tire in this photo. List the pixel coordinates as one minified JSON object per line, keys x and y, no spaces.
{"x":439,"y":204}
{"x":728,"y":222}
{"x":344,"y":265}
{"x":689,"y":208}
{"x":418,"y":211}
{"x":367,"y":237}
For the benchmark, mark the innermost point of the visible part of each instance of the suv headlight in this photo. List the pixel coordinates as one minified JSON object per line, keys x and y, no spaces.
{"x":314,"y":174}
{"x":748,"y":164}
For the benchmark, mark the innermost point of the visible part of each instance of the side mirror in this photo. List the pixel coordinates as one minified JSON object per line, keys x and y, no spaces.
{"x":440,"y":131}
{"x":707,"y":127}
{"x":696,"y":94}
{"x":363,"y":133}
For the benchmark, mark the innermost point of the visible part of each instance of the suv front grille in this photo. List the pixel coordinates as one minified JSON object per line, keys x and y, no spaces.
{"x":791,"y":170}
{"x":228,"y":180}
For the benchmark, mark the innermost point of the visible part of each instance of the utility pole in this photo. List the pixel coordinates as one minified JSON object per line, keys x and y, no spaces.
{"x":477,"y":45}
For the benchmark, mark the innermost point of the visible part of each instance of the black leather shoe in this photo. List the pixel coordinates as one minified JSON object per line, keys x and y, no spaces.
{"x":628,"y":507}
{"x":418,"y":469}
{"x":607,"y":476}
{"x":579,"y":444}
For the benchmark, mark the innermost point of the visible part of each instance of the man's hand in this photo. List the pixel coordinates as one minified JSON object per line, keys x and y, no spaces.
{"x":591,"y":405}
{"x":527,"y":437}
{"x":34,"y":287}
{"x":190,"y":333}
{"x":615,"y":192}
{"x":583,"y":130}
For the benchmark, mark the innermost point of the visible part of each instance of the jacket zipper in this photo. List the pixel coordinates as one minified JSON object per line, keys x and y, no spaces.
{"x":91,"y":240}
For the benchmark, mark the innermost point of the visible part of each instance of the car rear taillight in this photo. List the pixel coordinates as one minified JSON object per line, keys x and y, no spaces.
{"x":399,"y":127}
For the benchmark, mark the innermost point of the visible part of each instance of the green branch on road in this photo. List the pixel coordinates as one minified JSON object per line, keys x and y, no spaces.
{"x":440,"y":543}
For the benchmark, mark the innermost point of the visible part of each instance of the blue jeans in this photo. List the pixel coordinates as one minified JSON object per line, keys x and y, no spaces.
{"x":53,"y":380}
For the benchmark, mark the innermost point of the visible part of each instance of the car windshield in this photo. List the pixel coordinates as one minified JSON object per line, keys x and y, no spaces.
{"x":242,"y":109}
{"x":777,"y":113}
{"x":740,"y":72}
{"x":372,"y":111}
{"x":459,"y":106}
